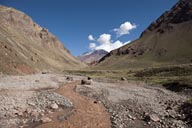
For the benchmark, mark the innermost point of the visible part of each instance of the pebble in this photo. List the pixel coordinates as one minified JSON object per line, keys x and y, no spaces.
{"x":31,"y":103}
{"x":62,"y":117}
{"x":34,"y":114}
{"x":45,"y":120}
{"x":152,"y":117}
{"x":54,"y":106}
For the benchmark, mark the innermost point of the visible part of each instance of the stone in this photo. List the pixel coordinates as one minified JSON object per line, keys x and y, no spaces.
{"x":69,"y":78}
{"x":34,"y":114}
{"x":131,"y":117}
{"x":19,"y":113}
{"x":46,"y":120}
{"x":28,"y":111}
{"x":62,"y":117}
{"x":54,"y":106}
{"x":31,"y":104}
{"x":44,"y":72}
{"x":123,"y":79}
{"x":36,"y":80}
{"x":152,"y":117}
{"x":148,"y":123}
{"x":86,"y":82}
{"x":89,"y":78}
{"x":49,"y":112}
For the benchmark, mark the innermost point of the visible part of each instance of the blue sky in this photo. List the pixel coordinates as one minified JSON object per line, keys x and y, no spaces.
{"x":72,"y":21}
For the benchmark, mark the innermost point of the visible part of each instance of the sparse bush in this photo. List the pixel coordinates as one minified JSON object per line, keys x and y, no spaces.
{"x":165,"y":71}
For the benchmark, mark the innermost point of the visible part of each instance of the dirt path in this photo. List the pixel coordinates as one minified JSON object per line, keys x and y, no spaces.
{"x":85,"y":114}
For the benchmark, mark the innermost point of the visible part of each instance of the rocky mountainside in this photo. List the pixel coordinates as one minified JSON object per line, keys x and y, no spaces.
{"x":166,"y":41}
{"x":25,"y":47}
{"x":181,"y":12}
{"x":92,"y":57}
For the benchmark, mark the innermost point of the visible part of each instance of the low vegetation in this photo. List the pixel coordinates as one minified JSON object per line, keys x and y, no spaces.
{"x":181,"y":74}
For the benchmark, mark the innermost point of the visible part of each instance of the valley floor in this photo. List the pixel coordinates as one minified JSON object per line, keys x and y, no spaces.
{"x":52,"y":101}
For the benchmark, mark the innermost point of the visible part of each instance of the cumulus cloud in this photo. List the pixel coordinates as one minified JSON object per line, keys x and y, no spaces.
{"x":127,"y":42}
{"x":92,"y":46}
{"x":104,"y":39}
{"x":91,"y":38}
{"x":111,"y":46}
{"x":124,"y":28}
{"x":105,"y":43}
{"x":116,"y":44}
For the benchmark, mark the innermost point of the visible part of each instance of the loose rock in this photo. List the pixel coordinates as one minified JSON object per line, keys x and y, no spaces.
{"x":54,"y":106}
{"x":89,"y":78}
{"x":123,"y":79}
{"x":45,"y":120}
{"x":85,"y":82}
{"x":69,"y":78}
{"x":34,"y":114}
{"x":152,"y":117}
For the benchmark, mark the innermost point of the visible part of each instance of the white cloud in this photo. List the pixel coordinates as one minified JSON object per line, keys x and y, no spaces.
{"x":127,"y":42}
{"x":116,"y":44}
{"x":104,"y":39}
{"x":106,"y":43}
{"x":91,"y":38}
{"x":111,"y":46}
{"x":92,"y":46}
{"x":124,"y":29}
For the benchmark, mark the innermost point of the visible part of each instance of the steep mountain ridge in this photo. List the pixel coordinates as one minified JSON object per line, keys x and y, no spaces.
{"x":179,"y":13}
{"x":25,"y":47}
{"x":166,"y":41}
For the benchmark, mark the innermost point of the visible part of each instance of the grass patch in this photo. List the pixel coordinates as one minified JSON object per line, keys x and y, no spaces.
{"x":113,"y":74}
{"x":182,"y":70}
{"x":181,"y":74}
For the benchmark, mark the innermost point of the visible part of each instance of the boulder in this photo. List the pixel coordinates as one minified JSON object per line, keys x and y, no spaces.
{"x":45,"y":120}
{"x":89,"y":78}
{"x":86,"y":82}
{"x":69,"y":78}
{"x":123,"y":79}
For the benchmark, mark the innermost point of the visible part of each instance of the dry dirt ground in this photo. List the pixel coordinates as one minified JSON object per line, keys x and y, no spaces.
{"x":51,"y":101}
{"x":137,"y":105}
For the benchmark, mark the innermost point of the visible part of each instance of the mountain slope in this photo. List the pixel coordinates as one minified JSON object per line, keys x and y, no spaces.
{"x":92,"y":57}
{"x":25,"y":47}
{"x":166,"y":41}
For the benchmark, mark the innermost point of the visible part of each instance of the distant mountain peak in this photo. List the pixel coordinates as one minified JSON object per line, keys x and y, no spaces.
{"x":92,"y":57}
